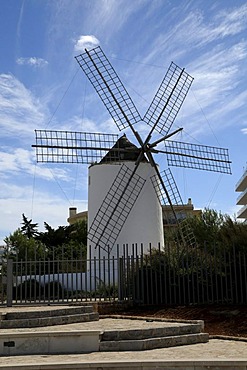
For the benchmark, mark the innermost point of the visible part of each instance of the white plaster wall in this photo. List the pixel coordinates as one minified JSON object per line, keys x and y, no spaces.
{"x":144,"y":223}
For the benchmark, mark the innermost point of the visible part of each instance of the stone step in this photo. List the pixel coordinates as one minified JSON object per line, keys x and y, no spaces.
{"x":48,"y":312}
{"x":152,"y":343}
{"x":172,"y":330}
{"x":49,"y":321}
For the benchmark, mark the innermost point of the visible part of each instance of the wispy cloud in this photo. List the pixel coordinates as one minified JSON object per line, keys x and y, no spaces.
{"x":200,"y":32}
{"x":231,"y":21}
{"x":217,"y":86}
{"x":76,"y":123}
{"x":20,"y":111}
{"x":86,"y":42}
{"x":113,"y":15}
{"x":19,"y":161}
{"x":32,"y":61}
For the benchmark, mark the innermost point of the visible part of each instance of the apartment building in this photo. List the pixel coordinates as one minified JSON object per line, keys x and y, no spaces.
{"x":241,"y":187}
{"x":182,"y":211}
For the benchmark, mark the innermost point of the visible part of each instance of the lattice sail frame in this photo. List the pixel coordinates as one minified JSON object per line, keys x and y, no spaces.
{"x":109,"y":87}
{"x":73,"y":147}
{"x":178,"y":214}
{"x":201,"y":157}
{"x":168,"y":99}
{"x":164,"y":107}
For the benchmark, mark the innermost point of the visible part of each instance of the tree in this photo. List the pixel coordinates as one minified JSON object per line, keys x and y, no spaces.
{"x":65,"y":241}
{"x":19,"y":246}
{"x":214,"y":228}
{"x":69,"y":242}
{"x":29,"y":229}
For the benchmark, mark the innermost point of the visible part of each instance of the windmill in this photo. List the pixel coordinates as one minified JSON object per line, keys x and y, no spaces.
{"x":131,"y":166}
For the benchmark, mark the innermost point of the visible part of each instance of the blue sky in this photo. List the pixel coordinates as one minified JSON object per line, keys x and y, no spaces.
{"x":42,"y":87}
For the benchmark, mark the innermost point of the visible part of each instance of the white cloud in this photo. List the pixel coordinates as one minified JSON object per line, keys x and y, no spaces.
{"x":86,"y":42}
{"x":47,"y":207}
{"x":232,"y":21}
{"x":20,"y":111}
{"x":226,"y":23}
{"x":217,"y":89}
{"x":32,"y":61}
{"x":200,"y":31}
{"x":244,"y":131}
{"x":14,"y":161}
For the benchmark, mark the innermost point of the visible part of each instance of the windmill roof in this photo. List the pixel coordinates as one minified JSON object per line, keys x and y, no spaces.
{"x":115,"y":153}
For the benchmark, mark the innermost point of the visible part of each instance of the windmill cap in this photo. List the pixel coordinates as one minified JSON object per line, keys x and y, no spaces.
{"x":131,"y":154}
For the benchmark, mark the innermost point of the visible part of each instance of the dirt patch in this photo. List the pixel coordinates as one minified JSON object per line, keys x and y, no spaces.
{"x":218,"y":319}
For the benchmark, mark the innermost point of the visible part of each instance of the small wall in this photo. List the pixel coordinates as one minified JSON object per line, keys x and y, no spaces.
{"x":106,"y":308}
{"x":49,"y":342}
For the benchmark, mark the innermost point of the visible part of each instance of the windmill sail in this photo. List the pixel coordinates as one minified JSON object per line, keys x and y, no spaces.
{"x":201,"y":157}
{"x":175,"y":214}
{"x":112,"y":92}
{"x":168,"y":99}
{"x":73,"y":147}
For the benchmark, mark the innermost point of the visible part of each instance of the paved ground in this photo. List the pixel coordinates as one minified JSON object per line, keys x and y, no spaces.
{"x":213,"y":350}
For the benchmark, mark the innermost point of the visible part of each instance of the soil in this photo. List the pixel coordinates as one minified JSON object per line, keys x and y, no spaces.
{"x":218,"y":319}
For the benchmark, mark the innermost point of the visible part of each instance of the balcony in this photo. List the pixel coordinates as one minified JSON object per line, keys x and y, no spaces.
{"x":242,"y":213}
{"x":242,"y":198}
{"x":242,"y":183}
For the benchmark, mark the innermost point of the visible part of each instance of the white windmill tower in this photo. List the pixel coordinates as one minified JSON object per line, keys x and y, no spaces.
{"x":123,"y":207}
{"x":126,"y":188}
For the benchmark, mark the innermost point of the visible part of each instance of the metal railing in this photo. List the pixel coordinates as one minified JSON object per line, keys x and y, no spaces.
{"x":176,"y":275}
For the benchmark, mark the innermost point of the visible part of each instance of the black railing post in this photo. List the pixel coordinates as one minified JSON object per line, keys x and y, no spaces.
{"x":120,"y":279}
{"x":9,"y":282}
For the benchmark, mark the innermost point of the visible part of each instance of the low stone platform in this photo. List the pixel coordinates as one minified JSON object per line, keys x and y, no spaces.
{"x":214,"y":354}
{"x":106,"y":334}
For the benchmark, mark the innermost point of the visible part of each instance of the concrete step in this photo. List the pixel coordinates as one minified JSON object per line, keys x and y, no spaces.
{"x":152,"y":343}
{"x":73,"y":310}
{"x":172,"y":330}
{"x":48,"y":321}
{"x":158,"y":335}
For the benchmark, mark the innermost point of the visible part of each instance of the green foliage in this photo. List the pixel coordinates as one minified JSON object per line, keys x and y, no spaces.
{"x":214,"y":229}
{"x":233,"y":233}
{"x":178,"y":258}
{"x":19,"y":246}
{"x":67,"y":242}
{"x":207,"y":226}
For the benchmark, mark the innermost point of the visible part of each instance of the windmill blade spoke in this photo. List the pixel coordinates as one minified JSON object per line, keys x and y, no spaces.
{"x":172,"y":204}
{"x":196,"y":156}
{"x":115,"y":208}
{"x":109,"y":87}
{"x":73,"y":147}
{"x":168,"y":99}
